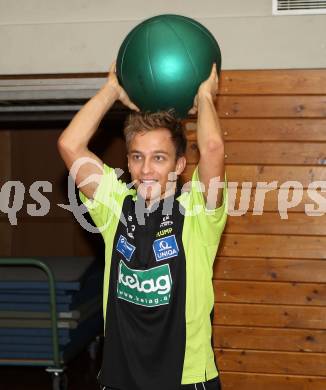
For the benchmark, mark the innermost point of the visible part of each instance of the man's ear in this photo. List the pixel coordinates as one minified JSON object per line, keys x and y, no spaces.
{"x":181,"y":165}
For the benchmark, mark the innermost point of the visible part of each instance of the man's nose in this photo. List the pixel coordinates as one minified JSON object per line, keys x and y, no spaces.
{"x":146,"y":167}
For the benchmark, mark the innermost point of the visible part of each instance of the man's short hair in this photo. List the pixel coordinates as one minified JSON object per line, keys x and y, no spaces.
{"x":139,"y":122}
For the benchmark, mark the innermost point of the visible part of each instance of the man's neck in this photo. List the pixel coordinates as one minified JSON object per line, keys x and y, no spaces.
{"x":151,"y":202}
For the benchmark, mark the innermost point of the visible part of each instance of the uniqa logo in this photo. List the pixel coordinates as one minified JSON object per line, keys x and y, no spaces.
{"x":163,"y":254}
{"x":160,"y":284}
{"x":165,"y":248}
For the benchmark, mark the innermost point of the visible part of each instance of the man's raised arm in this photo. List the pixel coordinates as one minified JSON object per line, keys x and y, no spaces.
{"x":73,"y":142}
{"x":209,"y":137}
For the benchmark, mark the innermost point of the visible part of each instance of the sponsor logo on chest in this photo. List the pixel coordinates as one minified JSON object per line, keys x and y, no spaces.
{"x":164,"y":232}
{"x":165,"y":248}
{"x":166,"y":222}
{"x":125,"y":248}
{"x":149,"y":288}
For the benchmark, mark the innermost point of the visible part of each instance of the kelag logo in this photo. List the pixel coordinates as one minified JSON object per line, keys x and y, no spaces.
{"x":165,"y":248}
{"x":149,"y":288}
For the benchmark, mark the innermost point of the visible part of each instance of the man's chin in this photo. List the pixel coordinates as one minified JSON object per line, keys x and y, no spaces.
{"x":149,"y":194}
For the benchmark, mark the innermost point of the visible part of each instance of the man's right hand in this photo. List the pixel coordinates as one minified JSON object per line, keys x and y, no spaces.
{"x":73,"y":142}
{"x":113,"y":82}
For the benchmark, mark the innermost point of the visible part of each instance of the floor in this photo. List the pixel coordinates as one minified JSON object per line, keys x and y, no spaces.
{"x":81,"y":374}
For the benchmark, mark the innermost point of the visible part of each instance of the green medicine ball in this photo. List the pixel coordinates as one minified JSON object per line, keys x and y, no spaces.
{"x":163,"y":60}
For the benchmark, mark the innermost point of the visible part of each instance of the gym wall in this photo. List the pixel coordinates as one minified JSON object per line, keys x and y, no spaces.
{"x":270,"y":273}
{"x":41,"y":36}
{"x":29,"y":155}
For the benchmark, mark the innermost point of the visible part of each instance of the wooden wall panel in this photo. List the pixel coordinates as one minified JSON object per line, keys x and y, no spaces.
{"x":273,"y":200}
{"x":250,"y":381}
{"x":270,"y":269}
{"x":86,"y":243}
{"x":272,"y":106}
{"x":272,"y":362}
{"x":276,"y":293}
{"x":5,"y":175}
{"x":5,"y":162}
{"x":270,"y":339}
{"x":304,"y":175}
{"x":34,"y":157}
{"x":285,"y":153}
{"x":43,"y":238}
{"x":262,"y":245}
{"x":272,"y":223}
{"x":271,"y":316}
{"x":5,"y":238}
{"x":5,"y":156}
{"x":265,"y":129}
{"x":270,"y":275}
{"x":276,"y":82}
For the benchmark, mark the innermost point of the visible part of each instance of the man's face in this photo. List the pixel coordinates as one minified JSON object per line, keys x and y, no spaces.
{"x":152,"y":163}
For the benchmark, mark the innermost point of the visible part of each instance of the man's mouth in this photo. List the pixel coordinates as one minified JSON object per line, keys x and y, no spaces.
{"x":148,"y":181}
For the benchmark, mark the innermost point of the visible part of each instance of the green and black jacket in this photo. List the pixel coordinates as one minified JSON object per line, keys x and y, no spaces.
{"x":158,"y":294}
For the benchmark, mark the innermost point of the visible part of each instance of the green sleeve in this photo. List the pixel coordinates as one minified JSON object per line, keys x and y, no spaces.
{"x":108,"y":199}
{"x":208,"y":225}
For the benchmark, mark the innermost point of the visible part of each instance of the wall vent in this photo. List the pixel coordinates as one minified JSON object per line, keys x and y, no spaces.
{"x":299,"y":7}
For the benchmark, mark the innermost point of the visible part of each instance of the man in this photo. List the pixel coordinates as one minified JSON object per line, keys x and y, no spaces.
{"x":160,"y":243}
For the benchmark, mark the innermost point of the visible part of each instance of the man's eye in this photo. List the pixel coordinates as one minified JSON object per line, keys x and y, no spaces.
{"x":159,"y":158}
{"x":136,"y":157}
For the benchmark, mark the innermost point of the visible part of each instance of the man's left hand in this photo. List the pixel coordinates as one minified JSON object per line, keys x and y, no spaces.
{"x":208,"y":87}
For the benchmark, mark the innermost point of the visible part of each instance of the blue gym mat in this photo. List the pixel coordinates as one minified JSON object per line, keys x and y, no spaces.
{"x":79,"y":339}
{"x":25,"y":325}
